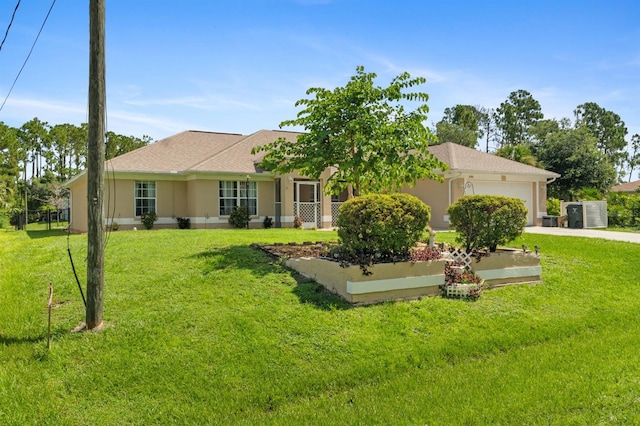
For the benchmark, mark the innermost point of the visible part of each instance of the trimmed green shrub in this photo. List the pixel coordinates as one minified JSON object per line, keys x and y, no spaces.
{"x":267,"y":222}
{"x":486,"y":221}
{"x":553,"y":207}
{"x":239,"y":217}
{"x":148,"y":219}
{"x":380,"y":227}
{"x":588,"y":194}
{"x":184,"y":222}
{"x":623,"y":209}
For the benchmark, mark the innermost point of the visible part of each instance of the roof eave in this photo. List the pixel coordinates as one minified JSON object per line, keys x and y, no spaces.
{"x":546,"y":174}
{"x":74,"y":179}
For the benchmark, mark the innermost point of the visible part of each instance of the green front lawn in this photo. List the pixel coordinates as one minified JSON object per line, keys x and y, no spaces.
{"x":202,"y":329}
{"x":618,"y":229}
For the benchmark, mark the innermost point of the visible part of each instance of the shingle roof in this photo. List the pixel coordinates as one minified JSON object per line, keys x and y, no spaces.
{"x":197,"y":151}
{"x":176,"y":153}
{"x":462,"y":158}
{"x":627,"y":187}
{"x":238,"y":157}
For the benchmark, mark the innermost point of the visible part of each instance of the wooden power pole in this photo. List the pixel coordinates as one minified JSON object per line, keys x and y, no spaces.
{"x":95,"y":164}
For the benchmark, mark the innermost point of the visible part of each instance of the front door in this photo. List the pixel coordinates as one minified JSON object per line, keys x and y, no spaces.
{"x":307,"y":203}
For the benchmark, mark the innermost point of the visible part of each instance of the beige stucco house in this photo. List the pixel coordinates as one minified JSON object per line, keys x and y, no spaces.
{"x":204,"y":175}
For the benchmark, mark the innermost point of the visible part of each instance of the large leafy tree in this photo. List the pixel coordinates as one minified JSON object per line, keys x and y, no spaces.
{"x":515,"y":116}
{"x":54,"y":153}
{"x":460,"y":125}
{"x":487,"y":124}
{"x":606,"y":126}
{"x":362,"y":133}
{"x":62,"y":142}
{"x":9,"y":168}
{"x":33,"y":136}
{"x":633,"y":158}
{"x":520,"y":153}
{"x":119,"y":144}
{"x":574,"y":155}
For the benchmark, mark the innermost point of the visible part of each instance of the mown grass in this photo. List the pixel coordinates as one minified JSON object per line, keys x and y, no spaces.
{"x":627,"y":229}
{"x":202,"y":329}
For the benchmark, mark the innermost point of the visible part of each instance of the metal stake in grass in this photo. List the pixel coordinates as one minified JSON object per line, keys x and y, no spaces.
{"x":49,"y":308}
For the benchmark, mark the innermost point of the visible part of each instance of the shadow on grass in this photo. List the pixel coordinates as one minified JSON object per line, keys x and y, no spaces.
{"x":9,"y":340}
{"x":241,"y":257}
{"x":309,"y":291}
{"x":44,"y":233}
{"x":261,"y":264}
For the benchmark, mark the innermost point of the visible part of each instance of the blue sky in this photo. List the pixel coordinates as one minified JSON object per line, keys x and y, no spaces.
{"x":239,"y":66}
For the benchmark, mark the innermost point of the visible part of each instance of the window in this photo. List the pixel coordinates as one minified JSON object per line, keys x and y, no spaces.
{"x":234,"y":193}
{"x":145,"y":196}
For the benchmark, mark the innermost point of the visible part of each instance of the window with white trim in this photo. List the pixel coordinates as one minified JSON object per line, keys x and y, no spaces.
{"x":234,"y":193}
{"x":145,"y":196}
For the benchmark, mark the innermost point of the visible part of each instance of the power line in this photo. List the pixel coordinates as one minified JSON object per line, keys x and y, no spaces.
{"x":6,"y":33}
{"x":29,"y":55}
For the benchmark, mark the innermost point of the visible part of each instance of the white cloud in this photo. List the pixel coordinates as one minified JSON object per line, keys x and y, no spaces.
{"x":18,"y":111}
{"x":208,"y":103}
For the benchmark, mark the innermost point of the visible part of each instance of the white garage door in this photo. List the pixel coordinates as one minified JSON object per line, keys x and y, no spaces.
{"x":521,"y":190}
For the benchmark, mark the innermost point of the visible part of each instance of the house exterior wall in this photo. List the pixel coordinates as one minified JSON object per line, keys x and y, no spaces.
{"x":436,"y":195}
{"x":192,"y":206}
{"x":119,"y":204}
{"x":201,"y":198}
{"x":266,"y":201}
{"x":456,"y":186}
{"x":439,"y":195}
{"x":172,"y":198}
{"x":197,"y":198}
{"x":203,"y":202}
{"x":286,"y":195}
{"x":193,"y":197}
{"x":542,"y":202}
{"x":287,"y":189}
{"x":79,"y":221}
{"x":477,"y":184}
{"x":535,"y":201}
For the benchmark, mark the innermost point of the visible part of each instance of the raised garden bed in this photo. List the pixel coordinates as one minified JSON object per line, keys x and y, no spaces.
{"x":508,"y":266}
{"x":403,"y":280}
{"x":387,"y":281}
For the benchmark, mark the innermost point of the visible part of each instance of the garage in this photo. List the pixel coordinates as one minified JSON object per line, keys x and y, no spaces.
{"x":521,"y":190}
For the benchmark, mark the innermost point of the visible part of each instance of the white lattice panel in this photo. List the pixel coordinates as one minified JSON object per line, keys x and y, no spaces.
{"x":309,"y":213}
{"x":335,"y":212}
{"x":462,"y":290}
{"x":463,"y":257}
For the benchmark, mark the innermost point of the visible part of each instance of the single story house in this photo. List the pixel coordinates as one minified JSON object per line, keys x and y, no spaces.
{"x":627,"y":187}
{"x":204,"y":175}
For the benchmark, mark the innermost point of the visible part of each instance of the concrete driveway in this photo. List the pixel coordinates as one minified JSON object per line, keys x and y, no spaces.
{"x":589,"y":233}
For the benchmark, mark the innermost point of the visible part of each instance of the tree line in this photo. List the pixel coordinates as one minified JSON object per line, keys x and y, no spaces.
{"x":590,"y":152}
{"x":38,"y":158}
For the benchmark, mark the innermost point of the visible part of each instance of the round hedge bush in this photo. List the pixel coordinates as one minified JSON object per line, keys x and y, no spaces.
{"x":379,"y":227}
{"x":486,"y":221}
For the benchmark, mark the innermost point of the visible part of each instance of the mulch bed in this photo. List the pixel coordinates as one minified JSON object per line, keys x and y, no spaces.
{"x":292,"y":250}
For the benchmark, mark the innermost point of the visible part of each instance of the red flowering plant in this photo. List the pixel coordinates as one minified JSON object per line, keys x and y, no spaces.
{"x":461,"y":282}
{"x":424,"y":253}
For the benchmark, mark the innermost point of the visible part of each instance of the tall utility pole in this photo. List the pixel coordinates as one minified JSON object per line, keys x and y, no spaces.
{"x":95,"y":164}
{"x":26,"y":197}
